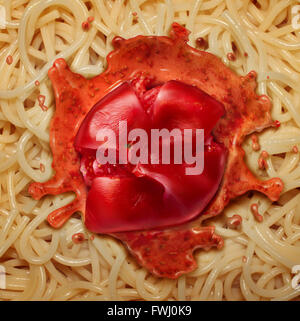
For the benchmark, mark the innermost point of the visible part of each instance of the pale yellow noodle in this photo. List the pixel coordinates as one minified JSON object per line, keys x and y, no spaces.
{"x":44,"y":264}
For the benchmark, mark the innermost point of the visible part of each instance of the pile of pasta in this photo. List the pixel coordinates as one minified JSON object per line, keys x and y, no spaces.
{"x":42,"y":263}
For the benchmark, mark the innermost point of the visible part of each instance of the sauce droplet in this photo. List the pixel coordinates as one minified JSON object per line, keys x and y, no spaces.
{"x":262,"y":163}
{"x":254,"y":210}
{"x":231,"y":56}
{"x":255,"y":143}
{"x":86,"y":25}
{"x":9,"y":60}
{"x":234,"y":222}
{"x":41,"y":100}
{"x":276,"y":124}
{"x":200,"y":42}
{"x":78,"y":238}
{"x":42,"y":167}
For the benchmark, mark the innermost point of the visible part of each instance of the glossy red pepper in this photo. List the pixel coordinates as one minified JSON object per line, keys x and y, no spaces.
{"x":127,"y":198}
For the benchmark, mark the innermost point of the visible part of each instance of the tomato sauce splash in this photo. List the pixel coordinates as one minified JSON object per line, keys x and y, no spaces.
{"x":165,"y":253}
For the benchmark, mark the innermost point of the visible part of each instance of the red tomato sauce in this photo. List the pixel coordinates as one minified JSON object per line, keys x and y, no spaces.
{"x":167,"y":252}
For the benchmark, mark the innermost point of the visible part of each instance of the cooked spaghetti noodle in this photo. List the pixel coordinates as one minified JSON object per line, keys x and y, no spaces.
{"x":42,"y":263}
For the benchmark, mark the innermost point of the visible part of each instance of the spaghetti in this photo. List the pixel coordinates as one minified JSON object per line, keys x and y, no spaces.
{"x":42,"y":263}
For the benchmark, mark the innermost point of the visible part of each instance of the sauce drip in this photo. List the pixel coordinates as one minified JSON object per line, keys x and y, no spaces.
{"x":168,"y":252}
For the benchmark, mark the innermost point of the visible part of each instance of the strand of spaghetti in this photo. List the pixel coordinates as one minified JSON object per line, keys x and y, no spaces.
{"x":41,"y":284}
{"x":49,"y":292}
{"x":242,"y":40}
{"x":146,"y":295}
{"x":254,"y":287}
{"x":55,"y":274}
{"x":181,"y":285}
{"x":286,"y":254}
{"x":96,"y":269}
{"x":197,"y":287}
{"x":113,"y":275}
{"x":262,"y":64}
{"x":10,"y":114}
{"x":228,"y":286}
{"x":39,"y":132}
{"x":236,"y":264}
{"x":263,"y":256}
{"x":273,"y":13}
{"x":14,"y":235}
{"x":218,"y":290}
{"x":71,"y":261}
{"x":33,"y":281}
{"x":277,"y":41}
{"x":8,"y":94}
{"x":142,"y":21}
{"x":195,"y":6}
{"x":285,"y":99}
{"x":22,"y":161}
{"x":105,"y":16}
{"x":211,"y":4}
{"x":30,"y":16}
{"x":247,"y":293}
{"x":169,"y":14}
{"x":24,"y":240}
{"x":269,"y":276}
{"x":160,"y":20}
{"x":214,"y":274}
{"x":77,"y":285}
{"x":207,"y":267}
{"x":82,"y":53}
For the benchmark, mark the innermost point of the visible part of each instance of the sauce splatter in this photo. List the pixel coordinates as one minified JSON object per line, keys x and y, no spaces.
{"x":295,"y":150}
{"x":164,"y":58}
